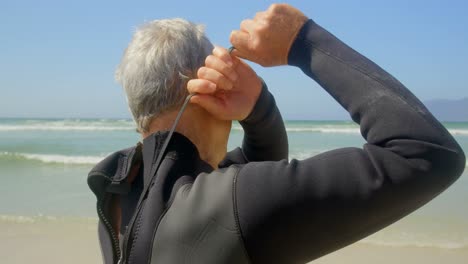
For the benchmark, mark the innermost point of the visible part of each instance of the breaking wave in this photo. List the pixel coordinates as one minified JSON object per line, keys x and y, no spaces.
{"x":52,"y":158}
{"x":128,"y":125}
{"x":318,"y":129}
{"x":68,"y":125}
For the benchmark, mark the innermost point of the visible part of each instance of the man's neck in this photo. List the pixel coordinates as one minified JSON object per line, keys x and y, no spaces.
{"x":211,"y":142}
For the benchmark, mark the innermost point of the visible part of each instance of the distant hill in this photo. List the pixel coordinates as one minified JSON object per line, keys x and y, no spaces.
{"x":449,"y":110}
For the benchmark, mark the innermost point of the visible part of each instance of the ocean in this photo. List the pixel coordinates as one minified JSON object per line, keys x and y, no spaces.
{"x":44,"y":165}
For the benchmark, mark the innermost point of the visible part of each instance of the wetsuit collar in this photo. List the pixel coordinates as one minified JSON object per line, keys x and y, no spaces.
{"x":180,"y":149}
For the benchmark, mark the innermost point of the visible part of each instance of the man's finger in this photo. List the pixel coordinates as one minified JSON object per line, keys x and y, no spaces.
{"x":221,"y":81}
{"x":223,"y":54}
{"x":247,"y":25}
{"x":199,"y":86}
{"x":221,"y":66}
{"x":240,"y":40}
{"x":239,"y":54}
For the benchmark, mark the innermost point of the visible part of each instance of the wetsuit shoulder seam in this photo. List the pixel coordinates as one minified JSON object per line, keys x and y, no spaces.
{"x":236,"y":212}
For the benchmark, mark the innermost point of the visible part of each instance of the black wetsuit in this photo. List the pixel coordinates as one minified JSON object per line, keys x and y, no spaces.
{"x":256,"y":209}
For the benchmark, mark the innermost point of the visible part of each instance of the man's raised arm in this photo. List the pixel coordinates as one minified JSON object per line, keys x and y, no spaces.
{"x":265,"y":137}
{"x":298,"y":211}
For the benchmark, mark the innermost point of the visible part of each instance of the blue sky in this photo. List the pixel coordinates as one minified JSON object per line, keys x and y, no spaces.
{"x":57,"y":58}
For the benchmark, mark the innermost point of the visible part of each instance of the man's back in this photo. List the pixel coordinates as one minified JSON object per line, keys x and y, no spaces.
{"x":292,"y":212}
{"x":188,"y":215}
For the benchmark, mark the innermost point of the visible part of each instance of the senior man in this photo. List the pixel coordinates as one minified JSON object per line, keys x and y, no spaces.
{"x":205,"y":206}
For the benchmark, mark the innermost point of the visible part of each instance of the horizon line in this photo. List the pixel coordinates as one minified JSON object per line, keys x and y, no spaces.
{"x":130,"y":119}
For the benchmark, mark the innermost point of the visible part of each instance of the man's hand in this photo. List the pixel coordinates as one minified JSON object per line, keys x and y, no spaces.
{"x":226,"y":86}
{"x":267,"y":38}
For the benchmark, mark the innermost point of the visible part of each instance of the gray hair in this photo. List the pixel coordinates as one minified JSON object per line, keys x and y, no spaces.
{"x":157,"y":64}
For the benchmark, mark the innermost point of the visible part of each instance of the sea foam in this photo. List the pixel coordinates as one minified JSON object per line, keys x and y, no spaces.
{"x":91,"y":160}
{"x":463,"y":132}
{"x":68,"y":125}
{"x":33,"y":219}
{"x":317,"y":129}
{"x":53,"y":158}
{"x":40,"y":127}
{"x":128,"y":125}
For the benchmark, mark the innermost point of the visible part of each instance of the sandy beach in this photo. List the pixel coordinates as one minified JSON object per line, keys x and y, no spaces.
{"x":49,"y":240}
{"x":64,"y":240}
